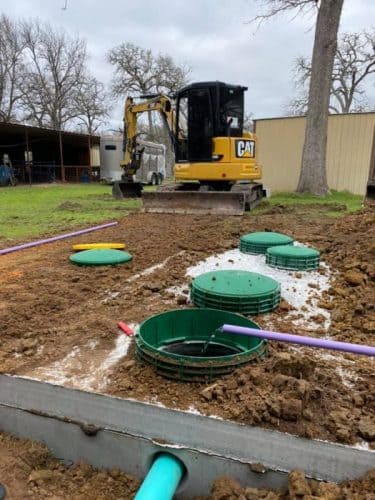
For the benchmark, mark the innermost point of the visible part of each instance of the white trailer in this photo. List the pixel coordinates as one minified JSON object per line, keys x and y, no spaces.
{"x":152,"y":169}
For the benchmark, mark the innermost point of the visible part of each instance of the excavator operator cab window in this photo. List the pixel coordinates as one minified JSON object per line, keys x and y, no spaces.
{"x":182,"y":129}
{"x":204,"y":111}
{"x":231,"y":112}
{"x":194,"y":125}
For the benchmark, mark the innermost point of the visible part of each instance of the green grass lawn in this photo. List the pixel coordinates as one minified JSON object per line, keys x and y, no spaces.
{"x":27,"y":212}
{"x":38,"y":211}
{"x":335,"y":204}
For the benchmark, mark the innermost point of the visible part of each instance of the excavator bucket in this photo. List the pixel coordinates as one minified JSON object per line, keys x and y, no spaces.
{"x":194,"y":202}
{"x":123,"y":189}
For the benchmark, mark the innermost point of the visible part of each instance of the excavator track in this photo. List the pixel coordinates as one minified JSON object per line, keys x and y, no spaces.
{"x":184,"y":199}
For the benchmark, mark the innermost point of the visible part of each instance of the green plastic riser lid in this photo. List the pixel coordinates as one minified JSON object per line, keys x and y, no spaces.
{"x":293,"y":257}
{"x":293,"y":252}
{"x":267,"y":238}
{"x":232,"y":283}
{"x":100,"y":257}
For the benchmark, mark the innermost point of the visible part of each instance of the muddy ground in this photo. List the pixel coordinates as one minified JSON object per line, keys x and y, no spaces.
{"x":58,"y":321}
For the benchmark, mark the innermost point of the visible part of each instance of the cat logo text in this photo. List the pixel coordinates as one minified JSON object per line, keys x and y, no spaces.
{"x":245,"y":148}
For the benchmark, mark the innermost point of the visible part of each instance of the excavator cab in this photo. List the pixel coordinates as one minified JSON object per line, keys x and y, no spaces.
{"x":204,"y":111}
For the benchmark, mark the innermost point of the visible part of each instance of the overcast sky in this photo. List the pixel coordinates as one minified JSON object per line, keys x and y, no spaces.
{"x":211,"y":36}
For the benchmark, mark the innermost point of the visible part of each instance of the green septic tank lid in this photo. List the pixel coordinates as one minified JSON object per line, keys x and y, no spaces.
{"x":267,"y":238}
{"x":294,"y":252}
{"x":241,"y":284}
{"x":292,"y":257}
{"x":100,"y":257}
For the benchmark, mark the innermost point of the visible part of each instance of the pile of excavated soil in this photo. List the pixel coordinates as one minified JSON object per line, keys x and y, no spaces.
{"x":59,"y":321}
{"x":226,"y":488}
{"x":28,"y":471}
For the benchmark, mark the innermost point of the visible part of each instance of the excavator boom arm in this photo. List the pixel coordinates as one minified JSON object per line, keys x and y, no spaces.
{"x":132,"y":110}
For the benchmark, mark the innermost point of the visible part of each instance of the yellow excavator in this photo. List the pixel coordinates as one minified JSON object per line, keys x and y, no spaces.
{"x":215,"y":160}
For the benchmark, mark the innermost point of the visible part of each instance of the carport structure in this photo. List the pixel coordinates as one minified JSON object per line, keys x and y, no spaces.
{"x":53,"y":155}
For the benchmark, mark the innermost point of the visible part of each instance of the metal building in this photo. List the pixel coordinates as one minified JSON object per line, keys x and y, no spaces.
{"x":350,"y":151}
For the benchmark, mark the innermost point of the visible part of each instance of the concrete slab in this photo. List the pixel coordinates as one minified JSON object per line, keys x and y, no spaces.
{"x":111,"y":432}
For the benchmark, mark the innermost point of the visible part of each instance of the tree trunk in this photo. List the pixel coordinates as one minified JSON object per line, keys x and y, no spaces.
{"x":313,"y":176}
{"x":62,"y":167}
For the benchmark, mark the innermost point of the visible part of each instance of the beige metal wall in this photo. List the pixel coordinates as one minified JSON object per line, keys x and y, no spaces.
{"x":350,"y":139}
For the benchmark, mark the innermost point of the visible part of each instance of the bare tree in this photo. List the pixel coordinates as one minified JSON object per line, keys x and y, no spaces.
{"x":313,"y":175}
{"x":248,"y":122}
{"x":11,"y":67}
{"x":92,"y":104}
{"x":354,"y":62}
{"x":139,"y":70}
{"x":55,"y":71}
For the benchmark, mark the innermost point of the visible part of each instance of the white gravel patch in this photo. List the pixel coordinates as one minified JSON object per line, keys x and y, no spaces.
{"x":297,"y":291}
{"x":151,"y":269}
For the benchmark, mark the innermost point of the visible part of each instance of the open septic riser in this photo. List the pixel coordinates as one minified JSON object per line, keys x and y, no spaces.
{"x":180,"y":344}
{"x":109,"y":432}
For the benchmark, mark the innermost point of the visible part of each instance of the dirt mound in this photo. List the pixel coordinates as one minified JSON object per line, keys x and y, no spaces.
{"x":27,"y":470}
{"x":226,"y":488}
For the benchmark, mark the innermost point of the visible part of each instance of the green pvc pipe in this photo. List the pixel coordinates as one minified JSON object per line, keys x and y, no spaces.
{"x":162,"y":479}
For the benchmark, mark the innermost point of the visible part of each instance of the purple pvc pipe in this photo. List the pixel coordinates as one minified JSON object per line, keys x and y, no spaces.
{"x":55,"y":238}
{"x":299,"y":339}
